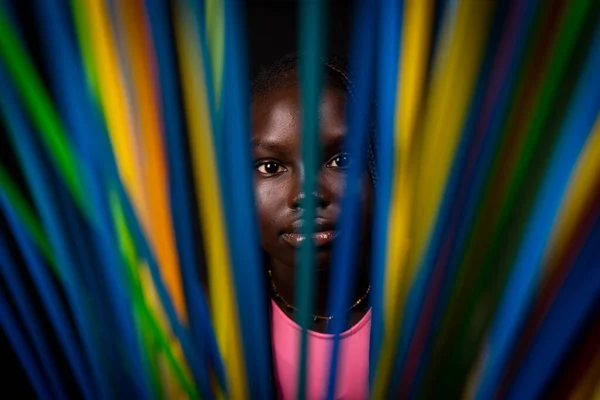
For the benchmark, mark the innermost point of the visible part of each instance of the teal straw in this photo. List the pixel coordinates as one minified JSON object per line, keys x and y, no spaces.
{"x":312,"y":14}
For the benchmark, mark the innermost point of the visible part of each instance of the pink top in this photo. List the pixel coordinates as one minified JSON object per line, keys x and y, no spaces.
{"x":353,"y":365}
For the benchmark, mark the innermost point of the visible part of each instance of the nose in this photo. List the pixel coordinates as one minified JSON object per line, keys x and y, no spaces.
{"x":297,"y":196}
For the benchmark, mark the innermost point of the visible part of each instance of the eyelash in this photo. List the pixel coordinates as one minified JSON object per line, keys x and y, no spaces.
{"x":282,"y":168}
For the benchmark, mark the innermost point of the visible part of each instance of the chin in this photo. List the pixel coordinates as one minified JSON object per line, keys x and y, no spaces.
{"x":323,"y":261}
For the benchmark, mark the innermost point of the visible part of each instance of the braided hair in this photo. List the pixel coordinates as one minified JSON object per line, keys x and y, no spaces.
{"x":284,"y":73}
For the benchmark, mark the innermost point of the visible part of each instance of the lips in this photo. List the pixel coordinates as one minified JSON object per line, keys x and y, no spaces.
{"x":324,"y":233}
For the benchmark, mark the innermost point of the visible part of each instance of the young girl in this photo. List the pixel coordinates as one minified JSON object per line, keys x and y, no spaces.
{"x":279,"y":175}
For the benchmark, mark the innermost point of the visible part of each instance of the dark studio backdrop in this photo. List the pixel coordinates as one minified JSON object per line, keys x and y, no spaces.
{"x":271,"y":33}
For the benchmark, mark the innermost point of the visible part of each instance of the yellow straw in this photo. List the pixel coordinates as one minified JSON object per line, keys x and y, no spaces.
{"x":587,"y":171}
{"x":222,"y":292}
{"x":451,"y":89}
{"x":160,"y":229}
{"x":452,"y":83}
{"x":589,"y":384}
{"x":415,"y":38}
{"x":115,"y":107}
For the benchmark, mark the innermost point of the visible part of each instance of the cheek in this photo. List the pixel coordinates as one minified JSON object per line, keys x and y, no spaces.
{"x":270,"y":203}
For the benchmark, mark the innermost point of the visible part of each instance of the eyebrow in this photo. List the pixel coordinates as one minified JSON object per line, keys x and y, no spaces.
{"x":273,"y":146}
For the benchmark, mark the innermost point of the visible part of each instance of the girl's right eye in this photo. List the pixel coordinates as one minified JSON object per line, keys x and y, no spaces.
{"x":270,"y":168}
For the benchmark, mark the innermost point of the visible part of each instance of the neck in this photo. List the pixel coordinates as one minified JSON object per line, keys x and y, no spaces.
{"x":284,"y":279}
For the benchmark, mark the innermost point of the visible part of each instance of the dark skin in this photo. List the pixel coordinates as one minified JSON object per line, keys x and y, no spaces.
{"x":279,"y":174}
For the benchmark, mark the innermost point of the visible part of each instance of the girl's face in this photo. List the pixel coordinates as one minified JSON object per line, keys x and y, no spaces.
{"x":279,"y":173}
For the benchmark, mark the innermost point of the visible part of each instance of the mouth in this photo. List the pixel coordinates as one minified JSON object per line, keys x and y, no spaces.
{"x":324,"y":235}
{"x":320,"y":238}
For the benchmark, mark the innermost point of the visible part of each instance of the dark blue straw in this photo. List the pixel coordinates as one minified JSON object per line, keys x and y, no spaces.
{"x":573,"y":304}
{"x":483,"y":162}
{"x":521,"y":284}
{"x":390,"y":18}
{"x":180,"y":196}
{"x":245,"y":255}
{"x":43,"y":281}
{"x":10,"y":325}
{"x":347,"y":247}
{"x":27,"y":312}
{"x":45,"y":203}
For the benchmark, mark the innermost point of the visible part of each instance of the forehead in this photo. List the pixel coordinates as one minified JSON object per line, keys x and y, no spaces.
{"x":276,"y":116}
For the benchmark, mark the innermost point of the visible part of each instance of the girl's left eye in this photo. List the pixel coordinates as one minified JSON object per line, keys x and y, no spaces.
{"x":341,"y":161}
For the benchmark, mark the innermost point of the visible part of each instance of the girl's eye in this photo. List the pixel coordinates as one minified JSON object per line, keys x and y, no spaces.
{"x":341,"y":161}
{"x":270,"y":168}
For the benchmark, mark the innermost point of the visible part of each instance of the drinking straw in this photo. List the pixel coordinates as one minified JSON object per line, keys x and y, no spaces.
{"x":580,"y":188}
{"x":46,"y":205}
{"x":390,"y":15}
{"x":247,"y":259}
{"x":410,"y":367}
{"x":96,"y":146}
{"x":580,"y":118}
{"x":38,"y":103}
{"x":214,"y":28}
{"x":84,"y":40}
{"x":225,"y":314}
{"x":9,"y":323}
{"x":192,"y":354}
{"x":114,"y":105}
{"x":572,"y":305}
{"x":452,"y":84}
{"x":143,"y":311}
{"x":462,"y":68}
{"x":416,"y":34}
{"x":180,"y":201}
{"x":155,"y":171}
{"x":27,"y":217}
{"x":50,"y":298}
{"x":482,"y":153}
{"x":311,"y":24}
{"x":87,"y":135}
{"x":16,"y":288}
{"x":561,"y":262}
{"x":347,"y":245}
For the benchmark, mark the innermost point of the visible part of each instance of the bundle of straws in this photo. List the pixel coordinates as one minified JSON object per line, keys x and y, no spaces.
{"x":130,"y":263}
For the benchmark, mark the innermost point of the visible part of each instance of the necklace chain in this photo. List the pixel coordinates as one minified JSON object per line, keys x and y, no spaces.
{"x":316,"y":318}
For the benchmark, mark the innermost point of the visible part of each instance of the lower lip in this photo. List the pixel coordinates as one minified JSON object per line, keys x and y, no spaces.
{"x":319,"y":238}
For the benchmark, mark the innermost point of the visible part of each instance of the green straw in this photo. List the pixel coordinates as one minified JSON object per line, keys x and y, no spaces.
{"x":312,"y":14}
{"x":144,"y":315}
{"x":28,"y":217}
{"x":38,"y":104}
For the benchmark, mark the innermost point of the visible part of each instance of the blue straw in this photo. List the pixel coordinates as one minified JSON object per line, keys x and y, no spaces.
{"x":75,"y":102}
{"x":27,"y":313}
{"x":180,"y":195}
{"x":524,"y":275}
{"x":573,"y":304}
{"x":448,"y":209}
{"x":346,"y":247}
{"x":483,"y":162}
{"x":246,"y":257}
{"x":312,"y":16}
{"x":49,"y":295}
{"x":10,"y":325}
{"x":390,"y":19}
{"x":42,"y":194}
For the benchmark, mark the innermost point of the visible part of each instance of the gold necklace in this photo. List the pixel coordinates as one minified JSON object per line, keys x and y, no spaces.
{"x":316,"y":318}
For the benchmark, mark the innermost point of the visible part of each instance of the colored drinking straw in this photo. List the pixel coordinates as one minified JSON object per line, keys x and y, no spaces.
{"x":312,"y":16}
{"x":390,"y":14}
{"x":358,"y":138}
